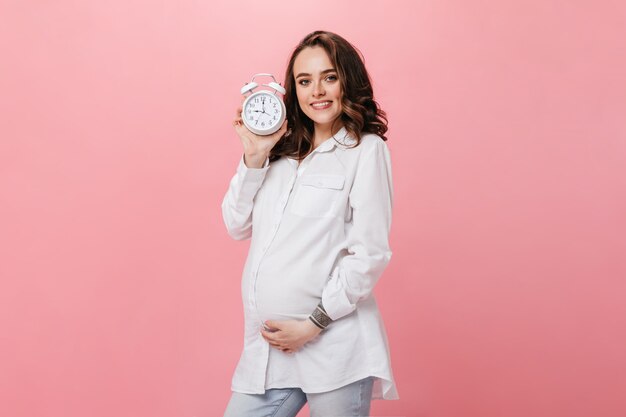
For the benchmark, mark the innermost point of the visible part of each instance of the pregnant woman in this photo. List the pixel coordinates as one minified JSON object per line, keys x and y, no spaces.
{"x":315,"y":199}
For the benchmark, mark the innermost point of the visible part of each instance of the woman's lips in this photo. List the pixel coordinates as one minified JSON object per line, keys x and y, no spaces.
{"x":321,"y":105}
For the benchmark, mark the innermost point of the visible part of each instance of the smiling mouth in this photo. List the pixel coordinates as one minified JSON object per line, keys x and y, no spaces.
{"x":321,"y":105}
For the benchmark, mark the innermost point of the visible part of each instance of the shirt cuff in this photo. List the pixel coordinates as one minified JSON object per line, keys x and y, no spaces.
{"x":335,"y":300}
{"x":250,"y":179}
{"x":244,"y":169}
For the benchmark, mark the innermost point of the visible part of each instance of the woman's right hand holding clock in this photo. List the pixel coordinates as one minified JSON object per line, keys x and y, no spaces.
{"x":256,"y":148}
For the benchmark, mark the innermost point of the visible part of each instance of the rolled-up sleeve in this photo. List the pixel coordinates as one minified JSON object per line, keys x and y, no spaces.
{"x":238,"y":202}
{"x":367,"y":235}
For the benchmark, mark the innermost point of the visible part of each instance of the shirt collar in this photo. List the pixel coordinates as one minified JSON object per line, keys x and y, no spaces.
{"x":342,"y":138}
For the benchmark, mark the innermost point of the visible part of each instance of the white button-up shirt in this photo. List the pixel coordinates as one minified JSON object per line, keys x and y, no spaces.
{"x":319,"y":231}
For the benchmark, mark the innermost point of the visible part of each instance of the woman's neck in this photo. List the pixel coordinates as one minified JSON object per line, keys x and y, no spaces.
{"x":323,"y":132}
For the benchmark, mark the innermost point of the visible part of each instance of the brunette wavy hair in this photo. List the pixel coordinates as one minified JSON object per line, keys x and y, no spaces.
{"x":360,"y":112}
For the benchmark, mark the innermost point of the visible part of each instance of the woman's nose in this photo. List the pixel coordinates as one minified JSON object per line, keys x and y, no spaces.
{"x":318,"y":90}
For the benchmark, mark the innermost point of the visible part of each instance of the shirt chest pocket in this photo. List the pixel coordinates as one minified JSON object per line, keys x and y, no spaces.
{"x":318,"y":195}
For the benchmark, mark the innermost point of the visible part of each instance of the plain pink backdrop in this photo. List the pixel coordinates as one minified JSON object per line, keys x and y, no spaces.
{"x":506,"y":294}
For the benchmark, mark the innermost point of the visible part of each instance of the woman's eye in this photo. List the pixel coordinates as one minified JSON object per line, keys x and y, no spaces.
{"x":328,"y":78}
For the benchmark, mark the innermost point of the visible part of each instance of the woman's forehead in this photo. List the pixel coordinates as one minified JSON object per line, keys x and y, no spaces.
{"x":312,"y":60}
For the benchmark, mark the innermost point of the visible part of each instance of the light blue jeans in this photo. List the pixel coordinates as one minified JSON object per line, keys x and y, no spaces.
{"x":352,"y":400}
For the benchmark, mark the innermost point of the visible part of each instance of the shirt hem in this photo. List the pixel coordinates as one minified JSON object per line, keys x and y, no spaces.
{"x":389,"y":394}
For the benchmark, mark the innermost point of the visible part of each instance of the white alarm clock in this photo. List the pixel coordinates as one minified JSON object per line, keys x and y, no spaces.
{"x":263,"y":111}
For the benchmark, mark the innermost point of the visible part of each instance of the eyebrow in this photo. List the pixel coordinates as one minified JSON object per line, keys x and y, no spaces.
{"x":304,"y":74}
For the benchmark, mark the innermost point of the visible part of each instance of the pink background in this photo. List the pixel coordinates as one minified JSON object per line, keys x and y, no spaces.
{"x":506,"y":293}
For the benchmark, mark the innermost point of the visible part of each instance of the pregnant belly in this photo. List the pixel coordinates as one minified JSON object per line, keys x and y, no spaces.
{"x":286,"y":297}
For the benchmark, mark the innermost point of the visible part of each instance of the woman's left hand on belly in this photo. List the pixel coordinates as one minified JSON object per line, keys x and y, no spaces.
{"x":289,"y":335}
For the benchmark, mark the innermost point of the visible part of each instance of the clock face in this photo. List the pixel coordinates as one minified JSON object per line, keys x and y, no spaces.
{"x":263,"y":113}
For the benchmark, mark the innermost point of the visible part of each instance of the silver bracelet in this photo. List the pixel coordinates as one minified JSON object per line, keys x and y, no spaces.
{"x":319,"y":317}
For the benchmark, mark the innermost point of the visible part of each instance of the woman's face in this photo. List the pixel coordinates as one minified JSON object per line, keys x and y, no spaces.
{"x":317,"y":86}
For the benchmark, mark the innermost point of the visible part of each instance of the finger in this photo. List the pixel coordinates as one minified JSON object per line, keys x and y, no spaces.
{"x":238,"y":116}
{"x":275,"y":344}
{"x":269,"y":336}
{"x":280,"y":132}
{"x":283,"y":127}
{"x":273,"y":324}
